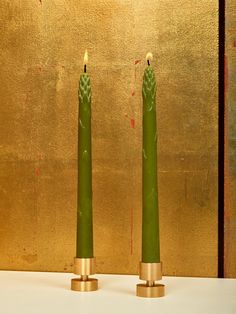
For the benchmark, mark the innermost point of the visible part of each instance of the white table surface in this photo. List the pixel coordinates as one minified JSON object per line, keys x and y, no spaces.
{"x":49,"y":293}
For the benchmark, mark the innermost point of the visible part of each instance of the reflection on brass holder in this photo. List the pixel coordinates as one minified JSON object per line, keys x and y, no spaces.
{"x":84,"y":267}
{"x":150,"y":272}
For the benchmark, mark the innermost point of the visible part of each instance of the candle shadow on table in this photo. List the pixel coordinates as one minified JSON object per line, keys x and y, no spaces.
{"x":175,"y":287}
{"x":39,"y":281}
{"x":120,"y":290}
{"x":112,"y":287}
{"x":50,"y":283}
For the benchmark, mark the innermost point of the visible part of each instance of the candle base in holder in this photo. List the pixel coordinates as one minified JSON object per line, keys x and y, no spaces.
{"x":150,"y":272}
{"x":84,"y":267}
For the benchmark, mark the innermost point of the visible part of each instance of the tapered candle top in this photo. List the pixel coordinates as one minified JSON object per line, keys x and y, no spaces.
{"x":85,"y":60}
{"x":149,"y":57}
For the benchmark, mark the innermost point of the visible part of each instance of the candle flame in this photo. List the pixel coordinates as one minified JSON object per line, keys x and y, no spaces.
{"x":86,"y":57}
{"x":149,"y":56}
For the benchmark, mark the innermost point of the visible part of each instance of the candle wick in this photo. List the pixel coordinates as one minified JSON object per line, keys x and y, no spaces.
{"x":148,"y":62}
{"x":85,"y":68}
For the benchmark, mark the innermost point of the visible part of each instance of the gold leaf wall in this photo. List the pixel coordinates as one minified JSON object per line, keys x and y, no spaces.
{"x":42,"y":47}
{"x":230,"y":143}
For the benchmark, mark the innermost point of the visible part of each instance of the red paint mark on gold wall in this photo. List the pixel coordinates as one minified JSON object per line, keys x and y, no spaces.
{"x":132,"y":123}
{"x":37,"y":172}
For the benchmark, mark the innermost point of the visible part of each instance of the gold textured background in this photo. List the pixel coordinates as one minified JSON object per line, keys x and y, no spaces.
{"x":230,"y":143}
{"x":42,"y":47}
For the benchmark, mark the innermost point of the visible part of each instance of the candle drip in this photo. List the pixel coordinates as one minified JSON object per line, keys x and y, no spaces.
{"x":144,"y":154}
{"x":81,"y":124}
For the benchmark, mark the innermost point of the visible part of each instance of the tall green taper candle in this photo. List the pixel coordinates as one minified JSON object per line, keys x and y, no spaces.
{"x":150,"y":213}
{"x":84,"y":201}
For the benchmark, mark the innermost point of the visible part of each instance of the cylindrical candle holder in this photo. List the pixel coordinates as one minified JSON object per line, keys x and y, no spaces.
{"x":150,"y":272}
{"x":84,"y":267}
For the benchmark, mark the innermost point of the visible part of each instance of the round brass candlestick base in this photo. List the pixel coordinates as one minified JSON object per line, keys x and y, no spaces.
{"x":84,"y":267}
{"x":78,"y":284}
{"x":150,"y":272}
{"x":155,"y":291}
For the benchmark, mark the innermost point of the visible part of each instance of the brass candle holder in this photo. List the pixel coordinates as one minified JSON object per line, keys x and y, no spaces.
{"x":150,"y":272}
{"x":84,"y":267}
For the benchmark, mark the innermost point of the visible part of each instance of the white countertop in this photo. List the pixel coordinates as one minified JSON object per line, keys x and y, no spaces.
{"x":49,"y":293}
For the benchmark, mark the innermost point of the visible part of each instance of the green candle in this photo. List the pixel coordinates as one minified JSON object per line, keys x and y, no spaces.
{"x":84,"y":201}
{"x":150,"y":214}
